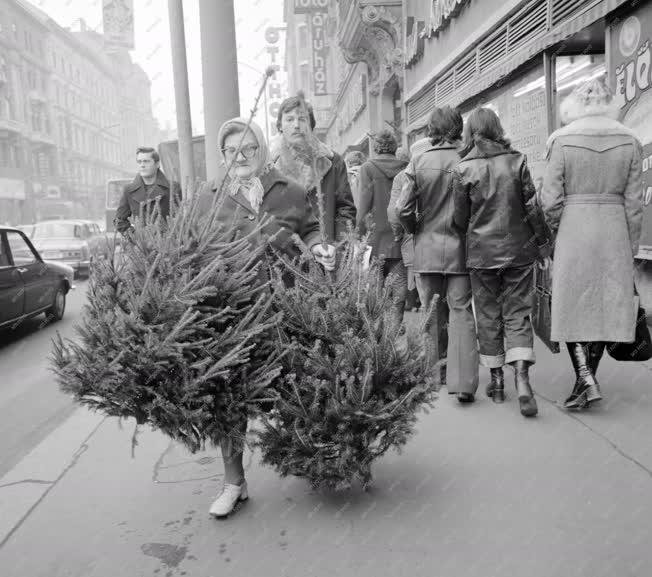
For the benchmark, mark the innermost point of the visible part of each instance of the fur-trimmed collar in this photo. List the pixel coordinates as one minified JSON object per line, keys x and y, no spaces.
{"x":276,"y":146}
{"x":594,"y":126}
{"x":290,"y":164}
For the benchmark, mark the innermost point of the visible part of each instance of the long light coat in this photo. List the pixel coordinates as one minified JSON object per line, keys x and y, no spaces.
{"x":592,"y":198}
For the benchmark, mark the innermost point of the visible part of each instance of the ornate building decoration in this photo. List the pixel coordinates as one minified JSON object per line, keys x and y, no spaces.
{"x":374,"y":37}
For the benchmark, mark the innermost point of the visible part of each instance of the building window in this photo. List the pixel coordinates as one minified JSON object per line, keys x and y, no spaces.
{"x":571,"y":71}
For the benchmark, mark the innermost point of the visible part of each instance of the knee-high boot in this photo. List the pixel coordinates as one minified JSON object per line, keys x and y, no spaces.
{"x":596,"y":350}
{"x":586,"y":388}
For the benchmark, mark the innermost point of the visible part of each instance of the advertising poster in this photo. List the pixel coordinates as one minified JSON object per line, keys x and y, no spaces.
{"x":317,"y":12}
{"x":118,"y":23}
{"x":631,"y":74}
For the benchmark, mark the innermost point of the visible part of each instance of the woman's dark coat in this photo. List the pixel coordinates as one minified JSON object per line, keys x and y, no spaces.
{"x":287,"y":204}
{"x":493,"y":187}
{"x":376,"y":179}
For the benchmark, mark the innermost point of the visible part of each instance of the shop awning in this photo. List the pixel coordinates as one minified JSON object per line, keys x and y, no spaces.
{"x":594,"y":13}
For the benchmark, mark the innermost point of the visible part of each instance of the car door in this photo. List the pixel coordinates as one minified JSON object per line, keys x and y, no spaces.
{"x":37,"y":278}
{"x":12,"y":290}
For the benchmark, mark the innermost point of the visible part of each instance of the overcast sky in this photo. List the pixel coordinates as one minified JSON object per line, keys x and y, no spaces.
{"x":152,"y":50}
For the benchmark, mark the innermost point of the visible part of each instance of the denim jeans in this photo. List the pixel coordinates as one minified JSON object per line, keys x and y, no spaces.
{"x":503,"y":308}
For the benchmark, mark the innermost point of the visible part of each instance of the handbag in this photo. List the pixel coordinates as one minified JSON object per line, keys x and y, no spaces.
{"x":541,"y":309}
{"x":641,"y":348}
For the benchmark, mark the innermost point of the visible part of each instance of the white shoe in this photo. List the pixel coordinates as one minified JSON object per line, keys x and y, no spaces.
{"x":228,"y":499}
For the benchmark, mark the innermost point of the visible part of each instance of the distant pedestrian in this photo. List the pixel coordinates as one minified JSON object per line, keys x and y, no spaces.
{"x":354,"y":160}
{"x":426,"y":208}
{"x":592,"y":197}
{"x":150,"y":186}
{"x":376,"y":178}
{"x":492,"y":188}
{"x":406,"y":240}
{"x":298,"y":154}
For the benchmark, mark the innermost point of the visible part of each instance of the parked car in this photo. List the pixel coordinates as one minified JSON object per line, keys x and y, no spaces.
{"x":28,"y":229}
{"x":29,"y":285}
{"x":73,"y":242}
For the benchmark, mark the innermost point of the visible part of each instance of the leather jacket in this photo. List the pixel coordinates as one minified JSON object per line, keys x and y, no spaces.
{"x":425,"y":207}
{"x":494,"y":194}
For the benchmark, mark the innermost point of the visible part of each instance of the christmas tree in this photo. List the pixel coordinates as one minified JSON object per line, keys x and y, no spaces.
{"x":180,"y":333}
{"x":176,"y":335}
{"x":351,"y":386}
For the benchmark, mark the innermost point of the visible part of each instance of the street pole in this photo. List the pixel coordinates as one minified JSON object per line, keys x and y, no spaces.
{"x":220,"y":74}
{"x":182,"y":97}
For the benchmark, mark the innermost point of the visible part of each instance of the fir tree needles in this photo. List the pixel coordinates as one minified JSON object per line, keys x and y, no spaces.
{"x":350,"y":389}
{"x":178,"y":334}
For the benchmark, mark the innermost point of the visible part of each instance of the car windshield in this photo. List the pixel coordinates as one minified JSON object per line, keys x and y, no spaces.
{"x":57,"y":230}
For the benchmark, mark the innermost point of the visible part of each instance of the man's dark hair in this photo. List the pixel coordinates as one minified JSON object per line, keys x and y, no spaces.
{"x":445,"y":125}
{"x":148,"y":150}
{"x":385,"y":142}
{"x":290,"y":104}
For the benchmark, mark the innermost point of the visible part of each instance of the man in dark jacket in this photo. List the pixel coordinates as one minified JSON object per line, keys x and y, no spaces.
{"x":376,"y":178}
{"x":149,"y":186}
{"x":299,"y":155}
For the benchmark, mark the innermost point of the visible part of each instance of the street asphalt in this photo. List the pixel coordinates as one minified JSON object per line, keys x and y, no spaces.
{"x":478,"y":492}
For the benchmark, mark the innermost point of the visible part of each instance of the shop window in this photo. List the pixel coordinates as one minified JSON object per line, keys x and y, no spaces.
{"x":572,"y":71}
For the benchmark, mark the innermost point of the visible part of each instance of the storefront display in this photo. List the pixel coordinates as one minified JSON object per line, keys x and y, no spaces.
{"x":631,"y":74}
{"x":521,"y":107}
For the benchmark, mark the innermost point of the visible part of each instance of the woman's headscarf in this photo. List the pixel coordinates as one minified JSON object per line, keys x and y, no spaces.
{"x":252,"y":187}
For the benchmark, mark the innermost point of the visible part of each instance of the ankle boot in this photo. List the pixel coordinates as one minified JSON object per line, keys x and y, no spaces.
{"x":585,"y":389}
{"x":525,"y":394}
{"x":496,"y":388}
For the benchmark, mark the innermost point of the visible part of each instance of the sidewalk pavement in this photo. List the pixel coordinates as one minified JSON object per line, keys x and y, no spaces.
{"x":478,"y":492}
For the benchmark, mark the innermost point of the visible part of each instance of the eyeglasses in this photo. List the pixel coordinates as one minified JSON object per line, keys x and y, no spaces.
{"x":248,"y":151}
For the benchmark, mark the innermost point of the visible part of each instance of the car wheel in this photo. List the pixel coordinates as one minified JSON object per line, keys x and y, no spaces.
{"x":55,"y":312}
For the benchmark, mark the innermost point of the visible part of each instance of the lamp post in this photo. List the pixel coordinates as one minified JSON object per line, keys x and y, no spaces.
{"x":220,"y":74}
{"x":182,"y":96}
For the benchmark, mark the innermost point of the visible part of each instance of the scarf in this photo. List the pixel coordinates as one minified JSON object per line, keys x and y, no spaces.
{"x":306,"y":165}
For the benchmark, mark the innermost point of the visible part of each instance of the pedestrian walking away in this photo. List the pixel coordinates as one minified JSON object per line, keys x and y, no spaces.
{"x":300,"y":156}
{"x":405,"y":239}
{"x":376,"y":178}
{"x":492,"y":189}
{"x":592,"y":198}
{"x":426,"y":209}
{"x":354,"y":160}
{"x":255,"y":190}
{"x":150,"y":186}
